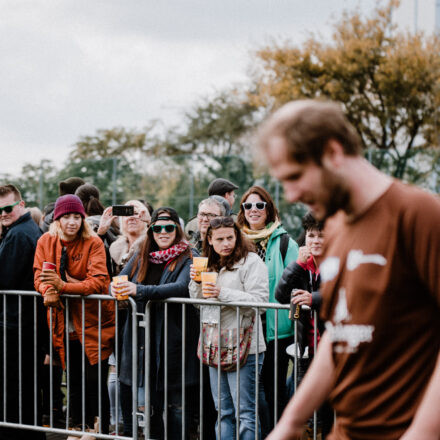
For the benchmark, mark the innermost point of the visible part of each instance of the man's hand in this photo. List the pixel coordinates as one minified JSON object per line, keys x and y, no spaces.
{"x":52,"y":278}
{"x":302,"y":298}
{"x":52,"y":299}
{"x":303,"y":254}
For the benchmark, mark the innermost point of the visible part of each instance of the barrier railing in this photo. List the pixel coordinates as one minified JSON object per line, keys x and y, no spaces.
{"x":31,"y":332}
{"x":186,"y":302}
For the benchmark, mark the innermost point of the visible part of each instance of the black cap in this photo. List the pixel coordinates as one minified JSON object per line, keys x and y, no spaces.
{"x":70,"y":185}
{"x":219,"y":187}
{"x":165,"y":213}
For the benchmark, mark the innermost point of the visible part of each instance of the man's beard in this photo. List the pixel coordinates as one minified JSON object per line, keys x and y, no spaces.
{"x":336,"y":195}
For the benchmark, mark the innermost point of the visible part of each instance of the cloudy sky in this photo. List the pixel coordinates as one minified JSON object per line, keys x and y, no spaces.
{"x":71,"y":67}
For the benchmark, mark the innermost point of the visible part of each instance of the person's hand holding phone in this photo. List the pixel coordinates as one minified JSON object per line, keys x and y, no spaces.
{"x":106,"y":220}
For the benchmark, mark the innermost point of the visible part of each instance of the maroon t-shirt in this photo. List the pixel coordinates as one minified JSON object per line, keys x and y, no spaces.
{"x":381,"y":300}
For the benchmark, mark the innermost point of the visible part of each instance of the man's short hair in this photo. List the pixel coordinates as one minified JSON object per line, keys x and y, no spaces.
{"x":307,"y":126}
{"x":10,"y":189}
{"x":310,"y":223}
{"x":220,"y":186}
{"x":214,"y":202}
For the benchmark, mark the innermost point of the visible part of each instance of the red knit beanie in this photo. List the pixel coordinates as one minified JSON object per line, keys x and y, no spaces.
{"x":68,"y":204}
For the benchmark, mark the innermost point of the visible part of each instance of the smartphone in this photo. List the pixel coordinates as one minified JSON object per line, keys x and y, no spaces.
{"x":123,"y":210}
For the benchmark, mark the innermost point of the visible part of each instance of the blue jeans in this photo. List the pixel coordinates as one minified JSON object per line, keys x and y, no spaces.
{"x":228,"y":396}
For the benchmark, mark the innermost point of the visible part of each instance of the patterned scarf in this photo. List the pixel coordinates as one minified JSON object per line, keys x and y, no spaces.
{"x":261,"y":236}
{"x":159,"y":257}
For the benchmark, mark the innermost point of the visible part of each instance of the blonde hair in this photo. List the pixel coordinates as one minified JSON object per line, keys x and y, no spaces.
{"x":85,"y":231}
{"x":139,"y":205}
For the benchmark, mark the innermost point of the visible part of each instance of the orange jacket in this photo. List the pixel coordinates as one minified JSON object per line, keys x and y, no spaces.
{"x":86,"y":262}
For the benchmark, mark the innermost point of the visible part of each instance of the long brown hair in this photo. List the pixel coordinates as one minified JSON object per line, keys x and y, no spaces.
{"x":271,"y":209}
{"x":149,"y":245}
{"x":241,"y":250}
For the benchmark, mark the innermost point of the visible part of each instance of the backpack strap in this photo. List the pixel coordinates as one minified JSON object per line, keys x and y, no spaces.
{"x":284,"y":244}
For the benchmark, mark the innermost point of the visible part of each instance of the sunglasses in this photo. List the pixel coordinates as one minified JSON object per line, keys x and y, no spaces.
{"x":8,"y":209}
{"x":157,"y":229}
{"x":218,"y":222}
{"x":259,"y":205}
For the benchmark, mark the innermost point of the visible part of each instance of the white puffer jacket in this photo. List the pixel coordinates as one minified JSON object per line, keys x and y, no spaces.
{"x":247,"y":282}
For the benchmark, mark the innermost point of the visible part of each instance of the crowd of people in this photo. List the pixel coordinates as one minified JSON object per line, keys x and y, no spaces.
{"x":367,"y":303}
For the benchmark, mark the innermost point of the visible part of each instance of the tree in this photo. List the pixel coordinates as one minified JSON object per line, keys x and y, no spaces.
{"x":387,"y":81}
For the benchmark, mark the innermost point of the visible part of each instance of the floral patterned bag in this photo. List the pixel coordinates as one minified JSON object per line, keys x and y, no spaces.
{"x":208,"y":348}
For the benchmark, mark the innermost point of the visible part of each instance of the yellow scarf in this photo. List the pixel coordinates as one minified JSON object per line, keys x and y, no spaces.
{"x":261,"y":236}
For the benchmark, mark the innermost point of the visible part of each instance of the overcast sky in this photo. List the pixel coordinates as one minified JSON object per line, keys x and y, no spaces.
{"x":69,"y":68}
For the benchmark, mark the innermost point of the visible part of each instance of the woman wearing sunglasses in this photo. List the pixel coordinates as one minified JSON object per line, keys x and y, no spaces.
{"x":79,"y":256}
{"x":242,"y":276}
{"x":160,"y":270}
{"x":259,"y":220}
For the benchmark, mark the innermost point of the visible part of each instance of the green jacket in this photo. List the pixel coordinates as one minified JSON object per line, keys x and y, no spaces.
{"x":276,"y":266}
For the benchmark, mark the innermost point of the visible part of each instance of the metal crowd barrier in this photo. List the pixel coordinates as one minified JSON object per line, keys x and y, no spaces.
{"x":140,"y":420}
{"x":37,"y":330}
{"x":186,"y":302}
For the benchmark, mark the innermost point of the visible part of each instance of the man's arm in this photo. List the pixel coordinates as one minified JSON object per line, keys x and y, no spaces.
{"x":311,"y":393}
{"x":426,"y":422}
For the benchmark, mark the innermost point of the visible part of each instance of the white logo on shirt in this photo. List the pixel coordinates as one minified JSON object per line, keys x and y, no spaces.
{"x":341,"y":309}
{"x":352,"y":334}
{"x":329,"y":268}
{"x":356,"y":257}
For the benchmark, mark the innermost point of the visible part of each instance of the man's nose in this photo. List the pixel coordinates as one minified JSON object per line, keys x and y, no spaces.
{"x":292,"y":192}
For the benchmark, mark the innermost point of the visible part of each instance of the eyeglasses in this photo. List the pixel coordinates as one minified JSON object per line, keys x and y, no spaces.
{"x":259,"y":205}
{"x":157,"y":229}
{"x":8,"y":208}
{"x":207,"y":215}
{"x":222,"y":221}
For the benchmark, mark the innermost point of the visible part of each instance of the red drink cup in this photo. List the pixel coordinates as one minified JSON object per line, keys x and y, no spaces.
{"x":47,"y":265}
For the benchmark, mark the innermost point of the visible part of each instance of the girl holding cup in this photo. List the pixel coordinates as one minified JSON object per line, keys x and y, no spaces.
{"x":242,"y":276}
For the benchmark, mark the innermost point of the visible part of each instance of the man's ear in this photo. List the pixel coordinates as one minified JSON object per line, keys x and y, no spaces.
{"x":333,"y":155}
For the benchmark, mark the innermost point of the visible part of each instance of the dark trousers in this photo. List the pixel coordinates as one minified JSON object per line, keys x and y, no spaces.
{"x":175,"y":413}
{"x":28,"y":380}
{"x":58,"y":396}
{"x":91,"y":398}
{"x":268,"y":384}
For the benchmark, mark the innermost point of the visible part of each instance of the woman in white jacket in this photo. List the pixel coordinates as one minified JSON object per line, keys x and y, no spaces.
{"x":242,"y":276}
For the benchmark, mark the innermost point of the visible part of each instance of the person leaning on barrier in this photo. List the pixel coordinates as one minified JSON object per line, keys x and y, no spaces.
{"x":242,"y":276}
{"x":158,"y":271}
{"x":303,"y":275}
{"x":17,"y":248}
{"x":79,"y":256}
{"x":259,"y":220}
{"x":379,"y":358}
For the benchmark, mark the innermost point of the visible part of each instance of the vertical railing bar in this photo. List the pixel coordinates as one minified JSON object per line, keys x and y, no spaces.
{"x":183,"y":370}
{"x":275,"y":366}
{"x":237,"y":410}
{"x":99,"y":365}
{"x":147,"y":409}
{"x":219,"y":402}
{"x":165,"y":373}
{"x":315,"y":345}
{"x":35,"y":360}
{"x":83,"y":365}
{"x":51,"y":373}
{"x":116,"y":367}
{"x":67,"y":344}
{"x":20,"y":361}
{"x":201,"y":376}
{"x":295,"y":356}
{"x":134,"y":368}
{"x":5,"y":329}
{"x":257,"y":376}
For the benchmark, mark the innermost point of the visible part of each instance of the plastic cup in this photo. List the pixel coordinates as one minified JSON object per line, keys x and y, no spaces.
{"x":47,"y":265}
{"x":119,"y":279}
{"x":200,"y":265}
{"x":208,"y":277}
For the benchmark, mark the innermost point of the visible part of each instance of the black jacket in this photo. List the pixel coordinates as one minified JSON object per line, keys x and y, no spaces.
{"x":172,"y":284}
{"x":17,"y":250}
{"x":296,"y":277}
